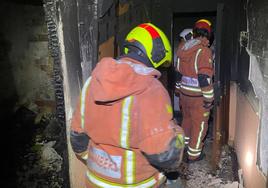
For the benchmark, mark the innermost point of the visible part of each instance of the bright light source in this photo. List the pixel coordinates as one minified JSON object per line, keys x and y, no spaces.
{"x":249,"y":158}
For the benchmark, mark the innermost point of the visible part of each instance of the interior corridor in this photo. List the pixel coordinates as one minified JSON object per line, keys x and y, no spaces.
{"x":48,"y":49}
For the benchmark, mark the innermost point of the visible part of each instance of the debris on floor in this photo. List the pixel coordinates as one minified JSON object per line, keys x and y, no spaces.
{"x":200,"y":175}
{"x":38,"y":150}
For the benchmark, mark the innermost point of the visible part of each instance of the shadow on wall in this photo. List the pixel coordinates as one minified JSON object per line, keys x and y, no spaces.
{"x":7,"y":85}
{"x":8,"y":98}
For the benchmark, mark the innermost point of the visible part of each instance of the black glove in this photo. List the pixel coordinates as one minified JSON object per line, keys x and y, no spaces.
{"x":177,"y":89}
{"x":208,"y":104}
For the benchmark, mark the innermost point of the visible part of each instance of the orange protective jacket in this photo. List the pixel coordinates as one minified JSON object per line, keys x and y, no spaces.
{"x":196,"y":70}
{"x":126,"y":114}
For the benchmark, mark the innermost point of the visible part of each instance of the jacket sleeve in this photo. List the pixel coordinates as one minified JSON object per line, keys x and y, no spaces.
{"x":78,"y":137}
{"x":205,"y":74}
{"x":162,"y":141}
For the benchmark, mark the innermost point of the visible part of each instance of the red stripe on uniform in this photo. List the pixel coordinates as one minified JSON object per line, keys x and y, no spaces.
{"x":151,"y":30}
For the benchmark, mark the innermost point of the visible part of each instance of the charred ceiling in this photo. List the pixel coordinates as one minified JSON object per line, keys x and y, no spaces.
{"x":26,"y":2}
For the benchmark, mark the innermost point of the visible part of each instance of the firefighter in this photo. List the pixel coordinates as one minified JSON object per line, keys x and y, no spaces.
{"x":195,"y":87}
{"x":186,"y":34}
{"x":123,"y":127}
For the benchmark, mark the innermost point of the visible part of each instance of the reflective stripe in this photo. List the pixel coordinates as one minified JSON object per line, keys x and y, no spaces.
{"x":125,"y":122}
{"x":186,"y":140}
{"x":194,"y":150}
{"x":82,"y":102}
{"x":105,"y":184}
{"x":178,"y":64}
{"x":191,"y":88}
{"x":208,"y":96}
{"x":124,"y":141}
{"x":208,"y":92}
{"x":195,"y":61}
{"x":129,"y":166}
{"x":193,"y":154}
{"x":200,"y":135}
{"x":178,"y":86}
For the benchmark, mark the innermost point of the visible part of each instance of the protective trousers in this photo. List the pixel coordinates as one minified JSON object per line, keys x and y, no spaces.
{"x":194,"y":123}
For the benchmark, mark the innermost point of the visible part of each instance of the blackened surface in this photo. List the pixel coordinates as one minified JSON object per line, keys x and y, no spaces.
{"x":26,"y":2}
{"x":51,"y":7}
{"x":104,"y":6}
{"x":139,"y":12}
{"x":68,"y":9}
{"x":88,"y":35}
{"x":235,"y":164}
{"x":162,"y":14}
{"x":106,"y":22}
{"x":228,"y":171}
{"x":194,"y":6}
{"x":229,"y":43}
{"x":243,"y":57}
{"x":258,"y":27}
{"x":18,"y":136}
{"x":231,"y":37}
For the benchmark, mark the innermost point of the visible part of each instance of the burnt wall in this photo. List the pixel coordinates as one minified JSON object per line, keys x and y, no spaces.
{"x":194,"y":6}
{"x":27,"y":96}
{"x":258,"y":27}
{"x":131,"y":14}
{"x":69,"y":28}
{"x":242,"y":68}
{"x":230,"y":38}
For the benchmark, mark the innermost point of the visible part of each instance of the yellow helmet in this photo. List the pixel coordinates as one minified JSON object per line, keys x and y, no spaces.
{"x":149,"y":41}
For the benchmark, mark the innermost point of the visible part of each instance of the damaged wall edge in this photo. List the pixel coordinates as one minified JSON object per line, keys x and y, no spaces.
{"x":75,"y":44}
{"x":51,"y":17}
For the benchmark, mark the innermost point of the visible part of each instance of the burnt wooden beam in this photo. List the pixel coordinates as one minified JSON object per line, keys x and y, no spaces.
{"x":88,"y":35}
{"x":51,"y":17}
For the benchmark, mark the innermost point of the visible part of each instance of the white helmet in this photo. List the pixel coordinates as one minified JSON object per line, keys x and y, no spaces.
{"x":187,"y":34}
